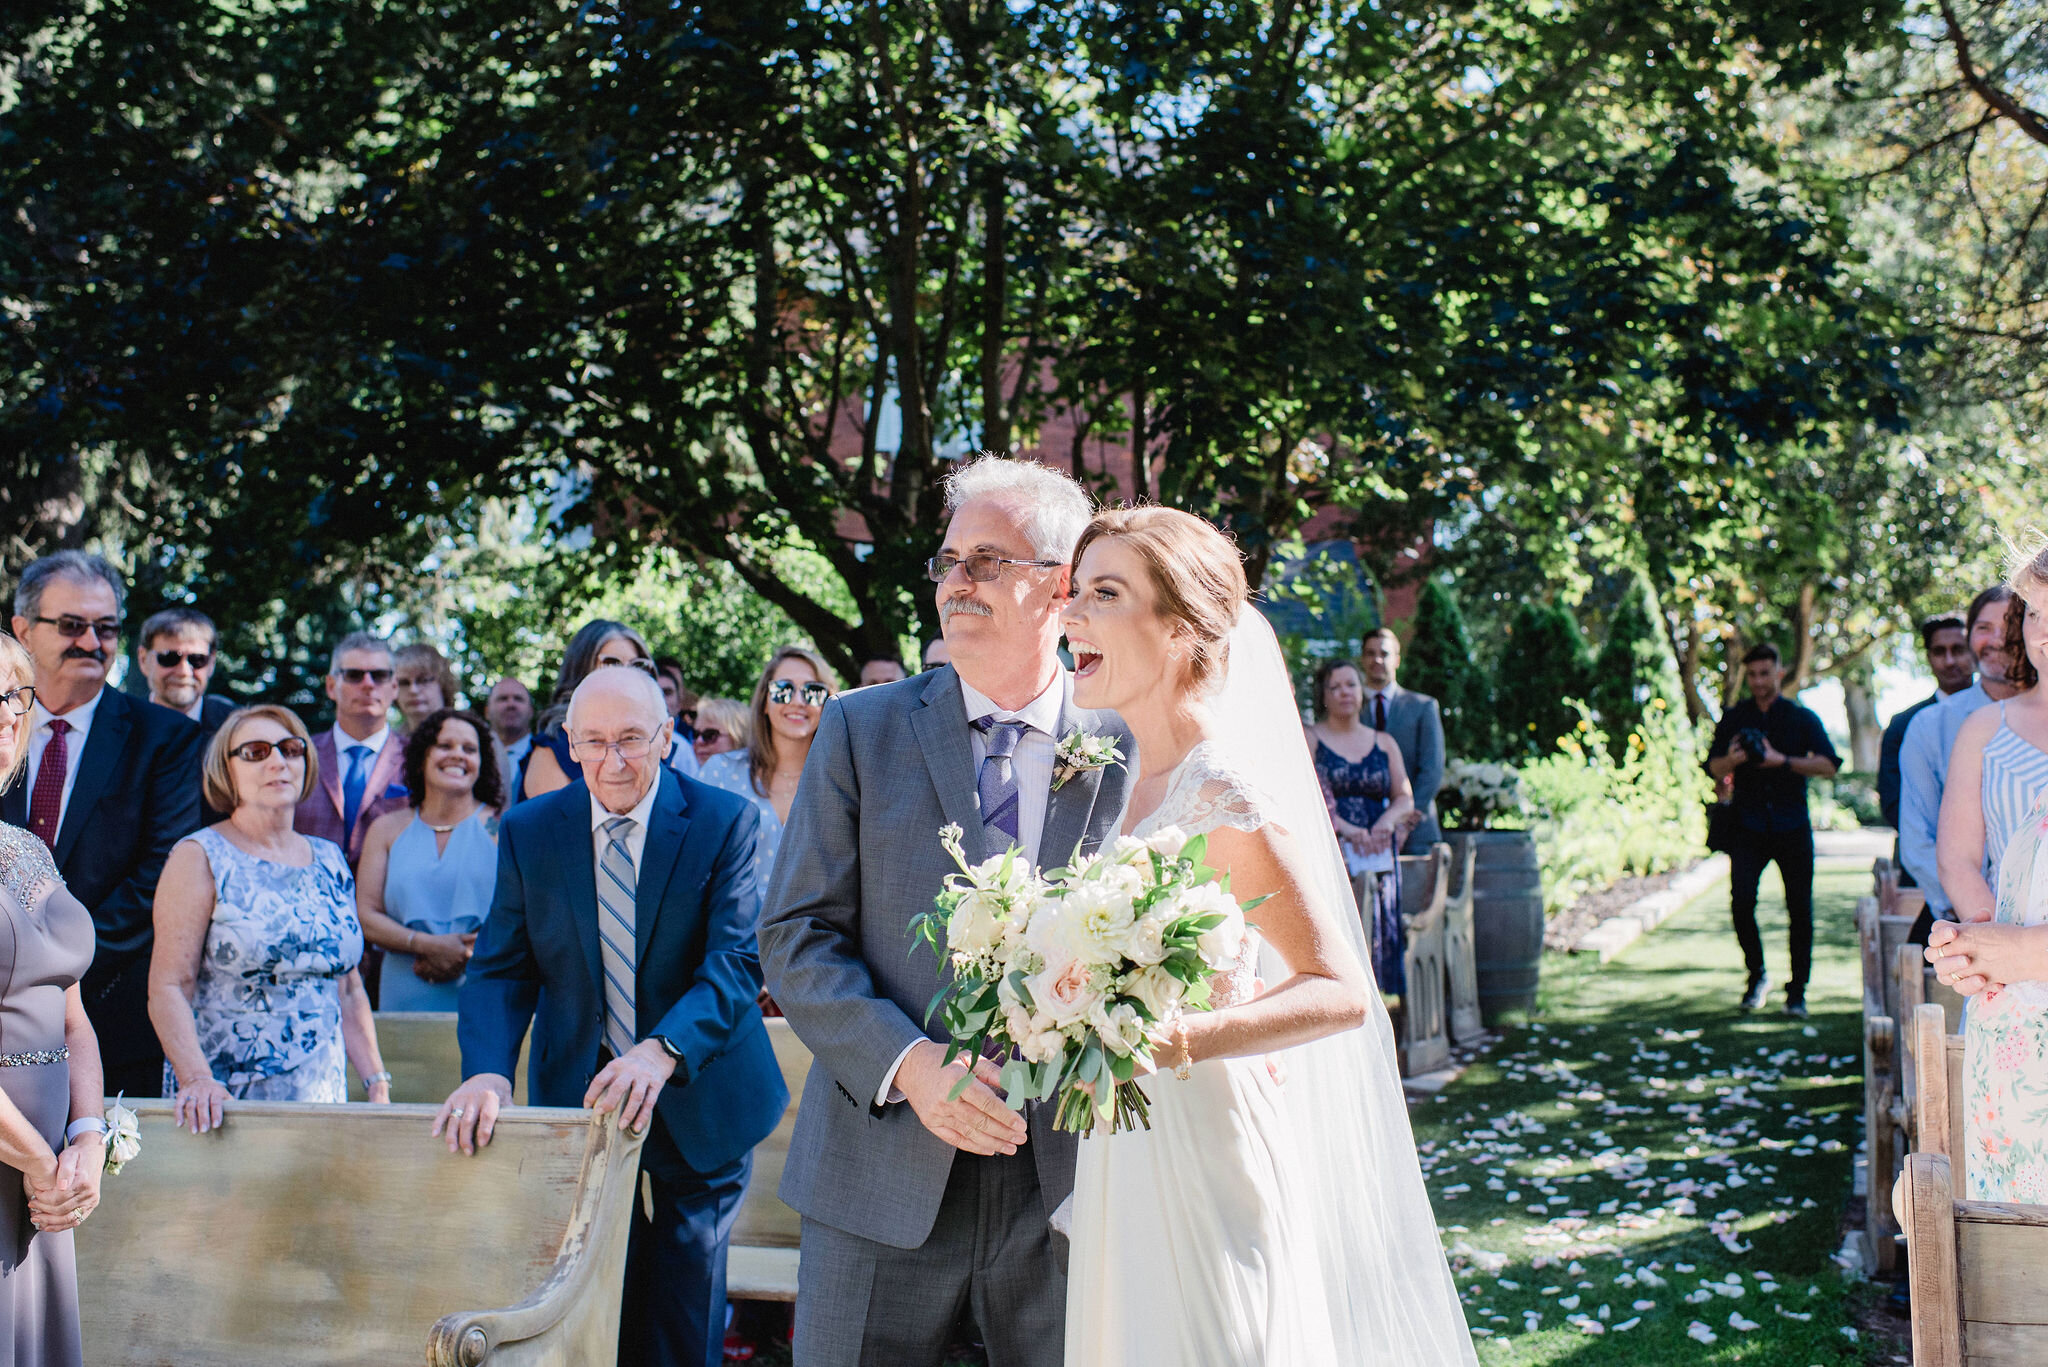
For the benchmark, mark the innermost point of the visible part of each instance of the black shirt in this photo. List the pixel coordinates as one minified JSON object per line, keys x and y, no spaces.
{"x":1773,"y":799}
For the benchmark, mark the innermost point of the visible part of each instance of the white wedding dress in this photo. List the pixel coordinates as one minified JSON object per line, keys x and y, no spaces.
{"x":1261,"y":1223}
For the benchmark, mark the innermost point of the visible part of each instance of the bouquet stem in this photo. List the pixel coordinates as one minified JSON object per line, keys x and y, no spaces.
{"x":1130,"y":1109}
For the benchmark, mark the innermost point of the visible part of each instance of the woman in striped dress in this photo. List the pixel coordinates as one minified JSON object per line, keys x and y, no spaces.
{"x":1998,"y":770}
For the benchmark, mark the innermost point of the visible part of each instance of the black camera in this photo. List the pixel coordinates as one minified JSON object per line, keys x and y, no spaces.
{"x":1753,"y":742}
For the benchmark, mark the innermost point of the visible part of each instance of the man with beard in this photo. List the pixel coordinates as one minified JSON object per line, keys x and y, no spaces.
{"x":176,"y":656}
{"x":112,"y":784}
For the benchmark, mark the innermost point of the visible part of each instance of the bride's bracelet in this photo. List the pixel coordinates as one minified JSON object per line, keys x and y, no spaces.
{"x":1181,"y":1070}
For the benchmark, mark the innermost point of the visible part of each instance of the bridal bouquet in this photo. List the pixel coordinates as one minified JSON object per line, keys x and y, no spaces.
{"x":1072,"y":977}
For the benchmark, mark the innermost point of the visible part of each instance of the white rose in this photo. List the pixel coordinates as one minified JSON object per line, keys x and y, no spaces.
{"x":1159,"y":990}
{"x":1220,"y":944}
{"x":1120,"y":1027}
{"x":1041,"y":1046}
{"x":1127,"y":848}
{"x":1145,"y":942}
{"x":1168,"y":842}
{"x":976,"y":925}
{"x":1065,"y":992}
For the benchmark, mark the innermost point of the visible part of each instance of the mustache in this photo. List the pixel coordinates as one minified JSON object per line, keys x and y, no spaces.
{"x":74,"y":653}
{"x":954,"y":607}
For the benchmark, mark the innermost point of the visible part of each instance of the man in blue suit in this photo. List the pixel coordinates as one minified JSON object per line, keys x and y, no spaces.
{"x":625,"y":911}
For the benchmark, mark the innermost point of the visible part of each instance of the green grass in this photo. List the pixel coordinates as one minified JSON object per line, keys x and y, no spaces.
{"x":1632,"y":1079}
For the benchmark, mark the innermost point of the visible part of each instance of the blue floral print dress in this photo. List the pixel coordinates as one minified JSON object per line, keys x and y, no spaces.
{"x":268,"y":1000}
{"x":2005,"y":1044}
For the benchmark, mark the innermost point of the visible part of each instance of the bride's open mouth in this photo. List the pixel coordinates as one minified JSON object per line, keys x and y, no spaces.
{"x":1085,"y":661}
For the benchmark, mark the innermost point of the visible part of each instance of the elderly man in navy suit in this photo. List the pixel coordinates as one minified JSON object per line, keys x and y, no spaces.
{"x":625,"y":911}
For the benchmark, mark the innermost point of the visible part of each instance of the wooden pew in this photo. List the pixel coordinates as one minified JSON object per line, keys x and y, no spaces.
{"x":1884,"y":879}
{"x":1425,"y":1041}
{"x":1979,"y":1272}
{"x":1461,"y":960}
{"x":423,"y":1059}
{"x":1880,"y":1085}
{"x":344,"y":1235}
{"x":1937,"y":1092}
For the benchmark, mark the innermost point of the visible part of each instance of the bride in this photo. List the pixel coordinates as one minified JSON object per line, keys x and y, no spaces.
{"x":1274,"y":1214}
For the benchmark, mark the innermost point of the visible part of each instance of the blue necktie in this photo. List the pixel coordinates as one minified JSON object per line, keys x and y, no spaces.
{"x":352,"y":785}
{"x":997,"y":788}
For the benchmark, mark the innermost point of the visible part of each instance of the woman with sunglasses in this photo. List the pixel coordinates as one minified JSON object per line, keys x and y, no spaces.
{"x":721,"y":726}
{"x":253,"y":984}
{"x":52,"y":1135}
{"x":424,"y":886}
{"x":792,"y":692}
{"x":597,"y":644}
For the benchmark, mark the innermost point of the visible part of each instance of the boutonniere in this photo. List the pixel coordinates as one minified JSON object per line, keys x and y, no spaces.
{"x":1080,"y":753}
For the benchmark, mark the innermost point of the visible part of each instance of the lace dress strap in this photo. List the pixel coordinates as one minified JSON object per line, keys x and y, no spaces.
{"x":1206,"y":794}
{"x":26,"y":868}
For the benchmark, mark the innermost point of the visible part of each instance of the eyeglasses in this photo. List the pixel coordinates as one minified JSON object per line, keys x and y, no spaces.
{"x":168,"y":659}
{"x":71,"y":628}
{"x":644,"y":666}
{"x":632,"y":747}
{"x":784,"y":691}
{"x":256,"y":751}
{"x":356,"y":676}
{"x":711,"y":735}
{"x":981,"y":568}
{"x":18,"y":700}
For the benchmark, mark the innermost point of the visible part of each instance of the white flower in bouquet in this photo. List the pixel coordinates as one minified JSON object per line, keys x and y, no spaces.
{"x":1220,"y":944}
{"x":124,"y":1136}
{"x":1065,"y":993}
{"x":1157,"y":990}
{"x":1145,"y":941}
{"x":1167,"y":841}
{"x":977,"y":925}
{"x":1120,"y":1028}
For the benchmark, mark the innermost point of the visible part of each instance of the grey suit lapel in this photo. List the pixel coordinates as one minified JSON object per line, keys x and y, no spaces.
{"x":1068,"y":805}
{"x":940,"y":725}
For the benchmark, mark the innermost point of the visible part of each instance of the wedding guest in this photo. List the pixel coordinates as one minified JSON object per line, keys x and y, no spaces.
{"x":51,"y":1074}
{"x":1946,"y":641}
{"x":510,"y":708}
{"x":670,"y":1037}
{"x":424,"y":886}
{"x":880,"y":671}
{"x":1999,"y":768}
{"x":1771,"y":746}
{"x":175,"y":653}
{"x":360,"y":762}
{"x":722,"y":725}
{"x":1417,"y":725}
{"x":112,"y":785}
{"x":793,"y":690}
{"x":597,"y":644}
{"x":425,"y":682}
{"x":253,"y":986}
{"x":1930,"y":742}
{"x":1362,"y":772}
{"x":937,"y":653}
{"x":682,"y":711}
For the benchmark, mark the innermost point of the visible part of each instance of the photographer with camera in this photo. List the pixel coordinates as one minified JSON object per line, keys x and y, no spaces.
{"x":1771,"y":746}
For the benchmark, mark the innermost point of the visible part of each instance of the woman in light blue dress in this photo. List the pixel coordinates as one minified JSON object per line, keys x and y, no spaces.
{"x":792,"y":692}
{"x":253,"y":986}
{"x":424,"y":885}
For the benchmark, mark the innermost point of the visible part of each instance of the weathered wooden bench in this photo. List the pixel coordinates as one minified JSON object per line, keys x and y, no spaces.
{"x":424,"y":1060}
{"x":1461,"y":958}
{"x":1937,"y":1055}
{"x":348,"y":1235}
{"x":1425,"y":1041}
{"x":1979,"y":1272}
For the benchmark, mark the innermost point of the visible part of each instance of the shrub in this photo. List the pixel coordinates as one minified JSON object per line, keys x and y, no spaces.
{"x":1543,"y":668}
{"x":1438,"y":661}
{"x":1635,"y":666}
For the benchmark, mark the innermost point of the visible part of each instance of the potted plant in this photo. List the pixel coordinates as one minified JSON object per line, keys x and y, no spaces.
{"x":1481,"y":805}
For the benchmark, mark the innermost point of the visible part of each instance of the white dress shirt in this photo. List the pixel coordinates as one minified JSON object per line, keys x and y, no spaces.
{"x":344,"y":742}
{"x":520,"y":749}
{"x":79,"y":719}
{"x":1923,"y":776}
{"x":636,"y":834}
{"x":1031,"y":766}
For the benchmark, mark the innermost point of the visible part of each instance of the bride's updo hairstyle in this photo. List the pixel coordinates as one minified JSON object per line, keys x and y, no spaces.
{"x":1197,"y":578}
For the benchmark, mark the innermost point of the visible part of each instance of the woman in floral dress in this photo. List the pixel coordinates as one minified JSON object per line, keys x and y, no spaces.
{"x":1371,"y":805}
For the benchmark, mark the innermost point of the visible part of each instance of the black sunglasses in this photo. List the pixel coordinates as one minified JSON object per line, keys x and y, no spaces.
{"x":356,"y":676}
{"x":256,"y":751}
{"x":106,"y":628}
{"x":710,"y":735}
{"x":168,"y":659}
{"x":784,"y":691}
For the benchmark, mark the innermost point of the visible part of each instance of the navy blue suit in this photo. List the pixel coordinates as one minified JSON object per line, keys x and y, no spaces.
{"x":696,"y":903}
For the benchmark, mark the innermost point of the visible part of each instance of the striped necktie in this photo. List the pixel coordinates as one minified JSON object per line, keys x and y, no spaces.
{"x":615,"y":883}
{"x":997,"y":788}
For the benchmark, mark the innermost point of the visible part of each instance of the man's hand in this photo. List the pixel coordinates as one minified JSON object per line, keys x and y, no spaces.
{"x":470,"y":1114}
{"x":630,"y":1083}
{"x":1772,"y":759}
{"x":1737,"y":753}
{"x":978,"y":1122}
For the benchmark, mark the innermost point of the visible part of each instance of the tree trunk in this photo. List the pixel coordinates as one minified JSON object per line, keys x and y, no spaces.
{"x":1866,"y":734}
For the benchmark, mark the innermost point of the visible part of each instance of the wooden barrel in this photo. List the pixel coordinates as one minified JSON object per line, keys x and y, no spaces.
{"x":1507,"y":918}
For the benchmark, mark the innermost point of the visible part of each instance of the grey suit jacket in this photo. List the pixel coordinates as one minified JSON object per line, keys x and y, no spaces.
{"x":1417,"y":725}
{"x":889,"y":766}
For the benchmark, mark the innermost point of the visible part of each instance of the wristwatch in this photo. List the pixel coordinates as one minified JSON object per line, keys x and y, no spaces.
{"x":682,"y":1064}
{"x":375,"y":1078}
{"x":85,"y":1124}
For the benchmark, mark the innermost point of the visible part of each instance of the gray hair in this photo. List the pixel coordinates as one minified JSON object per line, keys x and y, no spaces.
{"x":171,"y":621}
{"x":28,"y":594}
{"x":638,"y":680}
{"x":356,"y":640}
{"x":1051,"y":507}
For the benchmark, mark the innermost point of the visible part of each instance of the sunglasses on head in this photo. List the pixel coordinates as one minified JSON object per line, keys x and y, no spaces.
{"x":644,"y":666}
{"x":784,"y":691}
{"x":710,"y":735}
{"x":106,"y":628}
{"x":356,"y":676}
{"x":168,"y":659}
{"x":256,"y":751}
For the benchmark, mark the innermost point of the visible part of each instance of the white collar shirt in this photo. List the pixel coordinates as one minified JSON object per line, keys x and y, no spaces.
{"x":636,"y":834}
{"x":79,"y":719}
{"x":344,"y":742}
{"x":1032,"y":765}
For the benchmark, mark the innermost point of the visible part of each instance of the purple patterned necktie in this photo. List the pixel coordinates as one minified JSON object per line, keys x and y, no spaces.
{"x":997,"y":788}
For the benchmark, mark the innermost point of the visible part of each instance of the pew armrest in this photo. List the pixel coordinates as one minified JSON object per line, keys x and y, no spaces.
{"x":578,"y":1302}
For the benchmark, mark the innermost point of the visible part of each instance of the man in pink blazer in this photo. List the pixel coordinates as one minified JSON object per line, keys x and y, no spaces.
{"x":362,"y":761}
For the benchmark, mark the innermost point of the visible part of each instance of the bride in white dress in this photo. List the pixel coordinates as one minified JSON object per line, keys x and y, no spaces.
{"x":1274,"y":1214}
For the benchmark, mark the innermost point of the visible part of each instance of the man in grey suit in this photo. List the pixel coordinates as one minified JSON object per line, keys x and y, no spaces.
{"x":1416,"y":724}
{"x":915,"y":1205}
